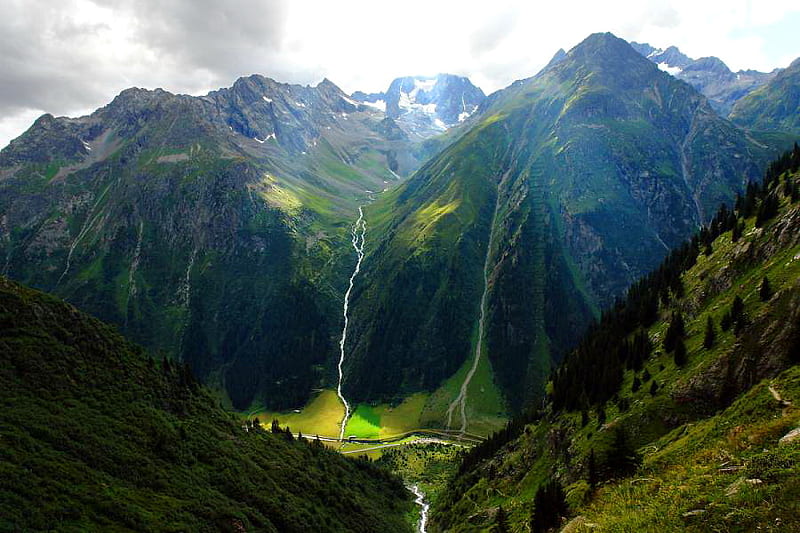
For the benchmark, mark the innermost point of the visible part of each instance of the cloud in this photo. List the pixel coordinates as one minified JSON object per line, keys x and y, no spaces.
{"x":72,"y":56}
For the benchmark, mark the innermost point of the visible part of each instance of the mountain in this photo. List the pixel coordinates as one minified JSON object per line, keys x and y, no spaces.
{"x":210,"y":229}
{"x":98,"y":436}
{"x":775,"y":106}
{"x":709,"y":75}
{"x":426,"y":106}
{"x":678,"y":411}
{"x":569,"y":186}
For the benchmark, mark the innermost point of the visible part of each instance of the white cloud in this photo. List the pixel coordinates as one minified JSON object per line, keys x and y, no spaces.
{"x":72,"y":56}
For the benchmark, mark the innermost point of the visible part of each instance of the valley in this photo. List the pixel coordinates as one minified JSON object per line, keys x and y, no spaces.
{"x":569,"y":305}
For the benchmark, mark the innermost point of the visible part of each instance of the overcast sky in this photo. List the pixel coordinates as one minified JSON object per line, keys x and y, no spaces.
{"x":69,"y":57}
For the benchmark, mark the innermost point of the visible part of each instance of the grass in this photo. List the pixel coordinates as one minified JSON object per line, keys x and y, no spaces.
{"x":364,"y":423}
{"x":684,"y":482}
{"x":485,"y":406}
{"x":321,"y":416}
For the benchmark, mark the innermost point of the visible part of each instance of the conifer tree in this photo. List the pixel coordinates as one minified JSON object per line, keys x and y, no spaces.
{"x":679,"y":356}
{"x":591,"y":468}
{"x":549,"y":506}
{"x":654,"y":388}
{"x":765,"y":291}
{"x":710,"y":334}
{"x":736,"y":234}
{"x":675,"y":331}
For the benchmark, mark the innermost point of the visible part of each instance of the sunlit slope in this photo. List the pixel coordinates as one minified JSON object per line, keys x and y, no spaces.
{"x":588,"y":173}
{"x":694,"y":429}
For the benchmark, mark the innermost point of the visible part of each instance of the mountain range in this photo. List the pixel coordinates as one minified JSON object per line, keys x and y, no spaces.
{"x":425,"y":106}
{"x":581,"y":280}
{"x":568,"y":187}
{"x":709,"y":75}
{"x":678,"y":410}
{"x":216,"y":229}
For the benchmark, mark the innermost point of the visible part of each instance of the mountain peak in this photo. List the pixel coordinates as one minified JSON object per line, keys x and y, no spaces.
{"x":603,"y":46}
{"x":557,"y":57}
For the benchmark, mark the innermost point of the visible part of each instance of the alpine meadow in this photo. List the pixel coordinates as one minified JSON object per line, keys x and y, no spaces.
{"x":411,"y":268}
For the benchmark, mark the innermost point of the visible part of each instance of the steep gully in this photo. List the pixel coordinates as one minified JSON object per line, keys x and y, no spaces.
{"x":461,"y":399}
{"x":358,"y":235}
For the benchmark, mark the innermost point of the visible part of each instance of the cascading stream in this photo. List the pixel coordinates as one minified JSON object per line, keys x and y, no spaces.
{"x":359,"y":232}
{"x":424,"y":507}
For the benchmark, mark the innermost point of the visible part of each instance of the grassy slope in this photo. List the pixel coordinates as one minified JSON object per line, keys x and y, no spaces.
{"x":685,"y":450}
{"x":97,"y":436}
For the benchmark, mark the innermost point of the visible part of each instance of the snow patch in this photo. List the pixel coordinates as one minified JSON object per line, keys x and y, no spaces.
{"x":300,"y":104}
{"x":670,"y":69}
{"x":86,"y":145}
{"x":654,"y":53}
{"x":267,"y":100}
{"x":439,"y":124}
{"x":350,"y":101}
{"x":380,"y":105}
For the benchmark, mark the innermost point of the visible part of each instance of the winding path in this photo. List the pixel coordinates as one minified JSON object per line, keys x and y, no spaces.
{"x":358,"y":232}
{"x":461,"y":399}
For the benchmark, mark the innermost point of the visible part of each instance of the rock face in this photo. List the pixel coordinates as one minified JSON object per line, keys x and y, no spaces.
{"x":212,"y":229}
{"x":775,"y":106}
{"x":709,"y":75}
{"x":426,"y":106}
{"x":584,"y":176}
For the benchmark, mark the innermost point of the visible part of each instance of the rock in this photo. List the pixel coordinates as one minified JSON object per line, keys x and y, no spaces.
{"x":790,"y":437}
{"x":695,"y":512}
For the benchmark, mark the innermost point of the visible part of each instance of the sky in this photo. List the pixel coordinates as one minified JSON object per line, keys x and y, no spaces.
{"x":69,"y":57}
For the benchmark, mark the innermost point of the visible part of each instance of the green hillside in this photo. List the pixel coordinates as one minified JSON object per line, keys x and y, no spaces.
{"x":95,"y":435}
{"x":569,"y":186}
{"x":773,"y":107}
{"x":679,"y":409}
{"x":212,"y":229}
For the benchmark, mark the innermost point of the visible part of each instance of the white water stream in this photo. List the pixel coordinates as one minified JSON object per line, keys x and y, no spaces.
{"x":424,"y":507}
{"x":358,"y":234}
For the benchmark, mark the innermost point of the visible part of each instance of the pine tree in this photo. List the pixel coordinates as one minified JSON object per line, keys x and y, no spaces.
{"x":738,"y":229}
{"x":765,"y":291}
{"x":710,"y":335}
{"x":276,"y":426}
{"x":654,"y":388}
{"x":622,"y":458}
{"x":679,"y":356}
{"x":549,"y":506}
{"x":675,"y":331}
{"x":726,"y":322}
{"x":636,"y":384}
{"x":591,"y":468}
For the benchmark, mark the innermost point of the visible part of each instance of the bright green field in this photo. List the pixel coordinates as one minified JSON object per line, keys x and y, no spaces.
{"x":320,"y":417}
{"x":323,"y":414}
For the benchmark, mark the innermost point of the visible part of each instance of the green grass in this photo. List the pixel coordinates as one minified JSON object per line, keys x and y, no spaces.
{"x":364,"y":423}
{"x":321,"y":416}
{"x":686,"y":446}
